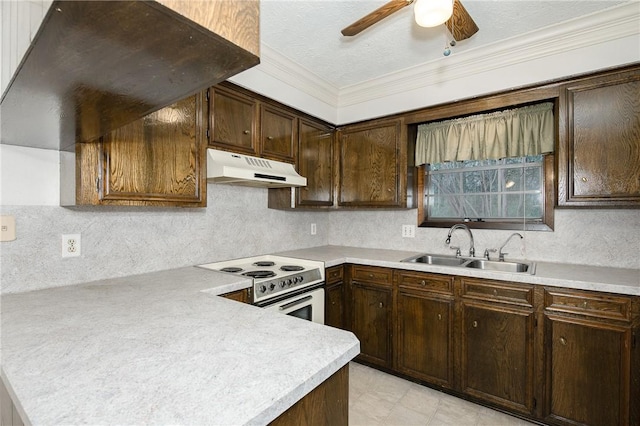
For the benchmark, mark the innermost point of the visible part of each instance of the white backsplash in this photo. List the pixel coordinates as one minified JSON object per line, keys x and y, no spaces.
{"x":237,"y":223}
{"x":127,"y":241}
{"x":596,"y":237}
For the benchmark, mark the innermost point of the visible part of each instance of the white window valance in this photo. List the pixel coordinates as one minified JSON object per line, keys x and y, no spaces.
{"x":513,"y":133}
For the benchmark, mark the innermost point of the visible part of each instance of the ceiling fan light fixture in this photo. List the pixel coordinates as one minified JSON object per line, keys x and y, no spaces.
{"x":431,"y":13}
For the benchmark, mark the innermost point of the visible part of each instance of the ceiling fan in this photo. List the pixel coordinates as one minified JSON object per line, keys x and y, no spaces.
{"x":459,"y":22}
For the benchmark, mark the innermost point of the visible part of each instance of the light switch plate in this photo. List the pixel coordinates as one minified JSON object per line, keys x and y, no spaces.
{"x":7,"y":228}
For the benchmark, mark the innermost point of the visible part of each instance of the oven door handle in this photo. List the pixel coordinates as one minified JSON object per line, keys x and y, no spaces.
{"x":295,"y":303}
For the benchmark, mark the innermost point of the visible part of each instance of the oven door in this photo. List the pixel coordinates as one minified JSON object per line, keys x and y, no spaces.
{"x":307,"y":305}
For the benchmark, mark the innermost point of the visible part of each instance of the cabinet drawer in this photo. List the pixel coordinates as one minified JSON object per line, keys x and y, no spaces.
{"x":588,"y":304}
{"x":334,"y":275}
{"x":518,"y":294}
{"x":430,"y":282}
{"x":372,"y":274}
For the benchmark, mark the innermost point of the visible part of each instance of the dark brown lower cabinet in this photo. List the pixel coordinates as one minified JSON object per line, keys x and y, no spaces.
{"x":591,"y":359}
{"x":554,"y":355}
{"x":370,"y":313}
{"x":334,"y":297}
{"x":497,"y":355}
{"x":326,"y":405}
{"x":424,"y":327}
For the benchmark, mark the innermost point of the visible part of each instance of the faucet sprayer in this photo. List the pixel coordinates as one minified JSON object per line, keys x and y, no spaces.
{"x":500,"y":253}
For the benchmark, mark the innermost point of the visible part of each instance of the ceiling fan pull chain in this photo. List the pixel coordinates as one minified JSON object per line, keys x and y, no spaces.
{"x":448,"y":34}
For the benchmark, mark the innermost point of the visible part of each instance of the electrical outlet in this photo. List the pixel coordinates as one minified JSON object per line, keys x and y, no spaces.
{"x":71,"y":245}
{"x":313,"y":229}
{"x":7,"y":228}
{"x":408,"y":231}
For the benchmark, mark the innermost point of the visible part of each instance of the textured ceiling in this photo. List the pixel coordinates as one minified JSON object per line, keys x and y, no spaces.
{"x":308,"y":33}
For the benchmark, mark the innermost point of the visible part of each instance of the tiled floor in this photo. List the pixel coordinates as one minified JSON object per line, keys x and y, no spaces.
{"x":377,"y":398}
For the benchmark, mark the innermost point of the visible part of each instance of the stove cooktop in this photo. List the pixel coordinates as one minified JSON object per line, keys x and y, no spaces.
{"x":273,"y":275}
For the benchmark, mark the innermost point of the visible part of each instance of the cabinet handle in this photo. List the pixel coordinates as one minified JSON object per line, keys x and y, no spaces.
{"x":370,"y":275}
{"x":246,"y":132}
{"x":380,"y":305}
{"x":423,"y":283}
{"x":584,"y":304}
{"x":563,"y":341}
{"x":584,"y":179}
{"x":439,"y":317}
{"x":475,"y":324}
{"x":269,"y":138}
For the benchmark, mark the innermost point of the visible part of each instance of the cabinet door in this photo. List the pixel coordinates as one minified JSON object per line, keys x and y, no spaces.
{"x":599,"y":162}
{"x":315,"y":162}
{"x":234,"y":121}
{"x":424,"y":324}
{"x":278,"y":130}
{"x":334,"y":305}
{"x":371,"y":322}
{"x":371,"y":159}
{"x":497,"y":354}
{"x":587,"y":372}
{"x":158,"y":160}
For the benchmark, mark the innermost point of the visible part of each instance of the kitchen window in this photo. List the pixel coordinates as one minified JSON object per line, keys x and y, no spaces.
{"x":490,"y":171}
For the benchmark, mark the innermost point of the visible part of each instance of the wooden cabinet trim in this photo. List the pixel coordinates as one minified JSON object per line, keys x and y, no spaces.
{"x":426,"y":282}
{"x":372,"y":275}
{"x":516,"y":294}
{"x":588,"y":304}
{"x":334,"y":274}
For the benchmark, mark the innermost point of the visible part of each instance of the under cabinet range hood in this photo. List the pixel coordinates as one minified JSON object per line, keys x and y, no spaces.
{"x":238,"y":169}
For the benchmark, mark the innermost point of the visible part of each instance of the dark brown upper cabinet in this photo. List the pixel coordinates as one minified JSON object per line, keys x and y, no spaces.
{"x":372,"y":164}
{"x":278,"y":134}
{"x":248,"y":124}
{"x":96,"y":66}
{"x":155,"y":161}
{"x":315,"y":162}
{"x":233,"y":121}
{"x":599,"y":146}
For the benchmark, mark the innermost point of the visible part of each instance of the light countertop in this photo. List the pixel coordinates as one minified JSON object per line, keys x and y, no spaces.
{"x":611,"y":280}
{"x":160,"y":348}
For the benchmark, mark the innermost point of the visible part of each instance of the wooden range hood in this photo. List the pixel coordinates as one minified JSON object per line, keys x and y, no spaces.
{"x":94,"y":66}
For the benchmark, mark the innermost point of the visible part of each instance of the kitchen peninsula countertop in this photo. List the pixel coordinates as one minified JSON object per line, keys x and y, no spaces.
{"x":584,"y":277}
{"x":160,"y":348}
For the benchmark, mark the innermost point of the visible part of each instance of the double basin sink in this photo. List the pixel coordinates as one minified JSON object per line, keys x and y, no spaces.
{"x":473,"y":263}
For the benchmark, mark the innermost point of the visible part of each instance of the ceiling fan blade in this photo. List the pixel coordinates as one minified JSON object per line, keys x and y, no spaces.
{"x":375,"y":16}
{"x":460,"y":24}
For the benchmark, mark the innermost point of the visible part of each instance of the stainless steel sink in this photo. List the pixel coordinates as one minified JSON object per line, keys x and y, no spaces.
{"x":434,"y":259}
{"x":474,"y":263}
{"x":492,"y":265}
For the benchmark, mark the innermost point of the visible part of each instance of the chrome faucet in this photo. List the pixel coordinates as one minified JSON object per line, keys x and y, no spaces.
{"x":500,"y":253}
{"x":472,"y":250}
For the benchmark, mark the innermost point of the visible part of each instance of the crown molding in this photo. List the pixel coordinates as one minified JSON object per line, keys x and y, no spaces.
{"x":600,"y":27}
{"x":605,"y":26}
{"x":284,"y":69}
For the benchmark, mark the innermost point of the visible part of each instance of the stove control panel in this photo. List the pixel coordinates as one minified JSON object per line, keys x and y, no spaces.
{"x":270,"y":287}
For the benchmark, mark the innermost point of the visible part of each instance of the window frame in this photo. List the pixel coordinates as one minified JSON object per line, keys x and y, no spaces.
{"x":548,"y":194}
